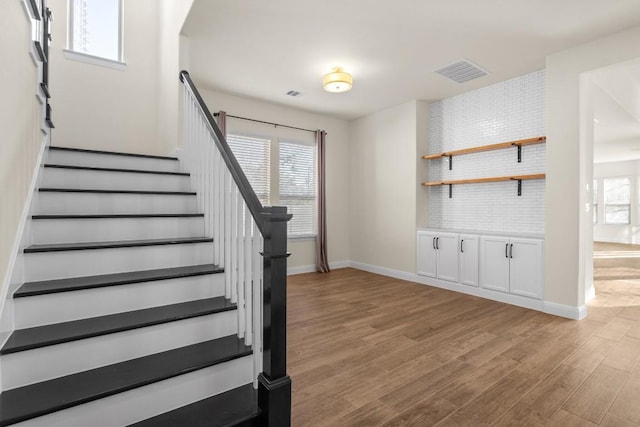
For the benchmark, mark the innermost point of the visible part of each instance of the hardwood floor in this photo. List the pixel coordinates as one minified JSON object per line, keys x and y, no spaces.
{"x":368,"y":350}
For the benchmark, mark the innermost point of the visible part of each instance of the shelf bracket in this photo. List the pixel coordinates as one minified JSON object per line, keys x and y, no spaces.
{"x":450,"y":191}
{"x":519,"y":186}
{"x":450,"y":162}
{"x":519,"y":153}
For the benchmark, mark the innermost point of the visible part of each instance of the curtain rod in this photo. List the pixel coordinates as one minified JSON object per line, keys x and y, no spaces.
{"x":266,"y":123}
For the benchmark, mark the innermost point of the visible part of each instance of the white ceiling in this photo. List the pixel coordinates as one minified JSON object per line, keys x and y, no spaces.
{"x":617,"y":113}
{"x":264,"y":48}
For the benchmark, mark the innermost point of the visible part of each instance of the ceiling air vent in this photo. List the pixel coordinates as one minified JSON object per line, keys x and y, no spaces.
{"x":462,"y":71}
{"x":293,"y":93}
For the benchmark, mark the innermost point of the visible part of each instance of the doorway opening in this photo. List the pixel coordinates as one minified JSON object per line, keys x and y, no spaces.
{"x":611,"y":118}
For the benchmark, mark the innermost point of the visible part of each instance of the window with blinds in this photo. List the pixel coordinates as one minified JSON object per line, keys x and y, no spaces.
{"x":297,"y":174}
{"x":254,"y":156}
{"x":617,"y":201}
{"x":295,"y":169}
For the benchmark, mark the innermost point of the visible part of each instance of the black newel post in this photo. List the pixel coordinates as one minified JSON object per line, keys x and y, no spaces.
{"x":274,"y":391}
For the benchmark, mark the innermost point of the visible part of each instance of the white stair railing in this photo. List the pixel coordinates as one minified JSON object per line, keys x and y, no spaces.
{"x":237,"y":240}
{"x":250,"y":242}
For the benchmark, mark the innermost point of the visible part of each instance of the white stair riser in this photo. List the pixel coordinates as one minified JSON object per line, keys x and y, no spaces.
{"x":105,"y":180}
{"x":92,"y":262}
{"x":66,"y":306}
{"x":52,"y":203}
{"x":31,"y":366}
{"x":154,"y":399}
{"x":78,"y":158}
{"x":110,"y":229}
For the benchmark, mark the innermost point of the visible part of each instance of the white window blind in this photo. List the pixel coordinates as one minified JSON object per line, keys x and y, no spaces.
{"x":617,"y":200}
{"x":297,"y":172}
{"x":253,"y":154}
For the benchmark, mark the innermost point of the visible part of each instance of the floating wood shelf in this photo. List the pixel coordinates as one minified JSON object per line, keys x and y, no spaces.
{"x":518,"y":178}
{"x":502,"y":145}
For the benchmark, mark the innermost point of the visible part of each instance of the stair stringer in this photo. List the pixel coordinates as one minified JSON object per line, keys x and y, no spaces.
{"x":15,"y":273}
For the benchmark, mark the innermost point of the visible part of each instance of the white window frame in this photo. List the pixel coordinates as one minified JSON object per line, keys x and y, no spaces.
{"x":71,"y":53}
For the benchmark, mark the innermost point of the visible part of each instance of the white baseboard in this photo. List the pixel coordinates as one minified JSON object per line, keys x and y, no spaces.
{"x":310,"y":268}
{"x":575,"y":313}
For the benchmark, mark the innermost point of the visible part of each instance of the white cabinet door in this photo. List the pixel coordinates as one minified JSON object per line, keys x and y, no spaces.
{"x":447,"y":248}
{"x":427,"y":256}
{"x":494,"y":263}
{"x":526,"y":267}
{"x":469,"y":258}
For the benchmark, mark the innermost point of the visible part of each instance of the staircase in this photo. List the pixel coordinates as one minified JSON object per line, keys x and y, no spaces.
{"x":125,"y":319}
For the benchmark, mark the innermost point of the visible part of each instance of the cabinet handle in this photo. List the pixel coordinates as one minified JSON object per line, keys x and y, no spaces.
{"x":511,"y":251}
{"x":434,"y":243}
{"x":506,"y":250}
{"x":438,"y":243}
{"x":461,"y":248}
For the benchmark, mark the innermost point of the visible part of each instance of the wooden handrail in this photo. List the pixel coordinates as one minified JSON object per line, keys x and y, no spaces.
{"x":490,"y":147}
{"x":489,"y":179}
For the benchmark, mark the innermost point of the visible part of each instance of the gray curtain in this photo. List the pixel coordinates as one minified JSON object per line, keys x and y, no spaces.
{"x":222,"y":122}
{"x":322,"y":261}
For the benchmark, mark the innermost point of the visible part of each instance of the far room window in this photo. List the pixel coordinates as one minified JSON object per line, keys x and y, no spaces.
{"x":96,"y":28}
{"x":617,"y":200}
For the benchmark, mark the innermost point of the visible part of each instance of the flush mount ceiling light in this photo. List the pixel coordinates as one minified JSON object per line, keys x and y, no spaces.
{"x":337,"y":81}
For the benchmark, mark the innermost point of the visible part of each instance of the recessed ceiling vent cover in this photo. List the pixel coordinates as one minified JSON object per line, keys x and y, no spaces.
{"x":293,"y":93}
{"x":462,"y":71}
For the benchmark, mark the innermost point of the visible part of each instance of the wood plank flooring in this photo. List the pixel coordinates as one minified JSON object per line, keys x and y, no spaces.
{"x":368,"y":350}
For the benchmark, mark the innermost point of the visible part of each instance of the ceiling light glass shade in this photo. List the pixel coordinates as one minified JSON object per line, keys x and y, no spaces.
{"x":337,"y":81}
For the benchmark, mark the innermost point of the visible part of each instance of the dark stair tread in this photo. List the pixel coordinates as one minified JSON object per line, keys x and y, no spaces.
{"x":227,"y":409}
{"x":56,"y":247}
{"x":114,"y":153}
{"x":42,"y":398}
{"x":100,"y":169}
{"x":89,"y":282}
{"x":58,"y":333}
{"x":83,"y":190}
{"x":119,"y":216}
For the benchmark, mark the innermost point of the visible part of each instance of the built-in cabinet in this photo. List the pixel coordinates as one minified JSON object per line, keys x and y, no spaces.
{"x":506,"y":264}
{"x":511,"y":265}
{"x":439,"y":255}
{"x":468,"y":259}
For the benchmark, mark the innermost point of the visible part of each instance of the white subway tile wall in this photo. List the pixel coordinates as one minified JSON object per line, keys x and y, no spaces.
{"x":507,"y":111}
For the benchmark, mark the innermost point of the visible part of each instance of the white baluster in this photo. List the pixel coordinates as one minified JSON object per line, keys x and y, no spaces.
{"x":227,"y":234}
{"x":216,"y":205}
{"x":240,"y":255}
{"x":233,"y":261}
{"x":257,"y":302}
{"x":248,"y":279}
{"x":221,"y":218}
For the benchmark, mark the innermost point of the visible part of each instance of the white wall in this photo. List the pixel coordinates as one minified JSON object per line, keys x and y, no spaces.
{"x":20,"y":138}
{"x":383,"y":183}
{"x":568,"y":220}
{"x":337,"y":163}
{"x":506,"y":111}
{"x":101,"y":108}
{"x":618,"y":233}
{"x":172,"y":15}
